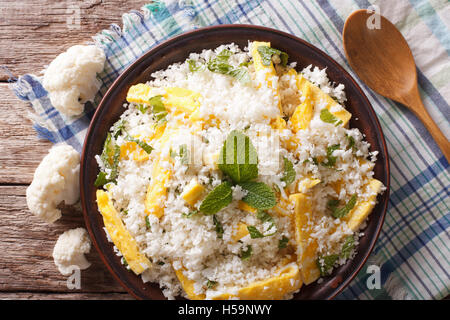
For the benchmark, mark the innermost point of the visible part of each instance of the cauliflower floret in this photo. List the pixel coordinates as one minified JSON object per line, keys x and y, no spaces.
{"x":71,"y":78}
{"x":55,"y":180}
{"x":69,"y":250}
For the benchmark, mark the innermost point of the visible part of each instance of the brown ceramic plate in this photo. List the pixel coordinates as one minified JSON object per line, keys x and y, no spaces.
{"x":177,"y":49}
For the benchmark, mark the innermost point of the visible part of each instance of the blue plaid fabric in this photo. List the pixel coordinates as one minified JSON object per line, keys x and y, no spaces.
{"x":413,"y":249}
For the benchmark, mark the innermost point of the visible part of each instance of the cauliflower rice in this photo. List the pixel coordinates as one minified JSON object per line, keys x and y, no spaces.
{"x":183,"y":238}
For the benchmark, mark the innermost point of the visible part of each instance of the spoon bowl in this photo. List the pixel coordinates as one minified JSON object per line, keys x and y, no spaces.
{"x":383,"y":60}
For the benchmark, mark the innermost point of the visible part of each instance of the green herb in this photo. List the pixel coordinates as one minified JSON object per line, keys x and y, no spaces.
{"x":146,"y":147}
{"x":115,"y":166}
{"x":326,"y":263}
{"x":254,"y":233}
{"x":328,"y":117}
{"x":218,"y":227}
{"x":110,"y":158}
{"x":184,"y":155}
{"x":240,"y":74}
{"x":282,"y":243}
{"x":333,"y":204}
{"x":351,"y":142}
{"x":289,"y":172}
{"x":124,"y":262}
{"x":118,"y":127}
{"x":331,"y":161}
{"x":220,"y":65}
{"x":245,"y":64}
{"x":158,"y":108}
{"x":101,"y":179}
{"x":211,"y":284}
{"x":266,"y":54}
{"x":246,"y":254}
{"x":315,"y":161}
{"x":190,"y":214}
{"x":108,"y":151}
{"x":161,"y":263}
{"x":142,"y":108}
{"x":217,"y":199}
{"x":238,"y":158}
{"x":124,"y":211}
{"x":259,"y":195}
{"x":224,"y":55}
{"x":343,"y":211}
{"x":147,"y":223}
{"x":263,"y":216}
{"x":193,"y":67}
{"x":347,"y":247}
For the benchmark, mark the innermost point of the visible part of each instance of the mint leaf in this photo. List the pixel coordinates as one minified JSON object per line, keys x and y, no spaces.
{"x":193,"y":67}
{"x":147,"y":148}
{"x":326,"y":263}
{"x":282,"y":243}
{"x":224,"y":55}
{"x":331,"y":161}
{"x":118,"y":127}
{"x":110,"y":157}
{"x":347,"y":247}
{"x":238,"y":158}
{"x":108,"y":151}
{"x":115,"y":164}
{"x":333,"y":204}
{"x":259,"y":195}
{"x":190,"y":214}
{"x":289,"y":172}
{"x":101,"y":179}
{"x":158,"y":108}
{"x":265,"y":217}
{"x":240,"y":74}
{"x":211,"y":284}
{"x":343,"y":211}
{"x":328,"y":117}
{"x":266,"y":54}
{"x":219,"y":227}
{"x":217,"y":199}
{"x":147,"y":223}
{"x":142,"y":108}
{"x":218,"y":66}
{"x":254,"y":233}
{"x":351,"y":143}
{"x":184,"y":154}
{"x":246,"y":254}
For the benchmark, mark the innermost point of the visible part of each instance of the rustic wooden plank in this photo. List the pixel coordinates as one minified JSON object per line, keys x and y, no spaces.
{"x":20,"y":149}
{"x":63,"y":296}
{"x":26,"y":246}
{"x":34,"y":32}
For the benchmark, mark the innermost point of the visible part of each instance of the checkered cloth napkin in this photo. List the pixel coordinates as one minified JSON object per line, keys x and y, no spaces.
{"x":413,"y":250}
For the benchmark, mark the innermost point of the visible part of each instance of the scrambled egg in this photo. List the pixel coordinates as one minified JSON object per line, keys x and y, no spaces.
{"x":120,"y":236}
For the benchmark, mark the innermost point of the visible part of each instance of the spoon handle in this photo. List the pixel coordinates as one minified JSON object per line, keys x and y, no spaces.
{"x":422,"y":113}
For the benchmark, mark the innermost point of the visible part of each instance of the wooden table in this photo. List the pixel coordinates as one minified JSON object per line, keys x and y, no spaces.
{"x":33,"y":33}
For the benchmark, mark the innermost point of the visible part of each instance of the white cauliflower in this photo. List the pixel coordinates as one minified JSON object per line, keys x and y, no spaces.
{"x":69,"y":250}
{"x":55,"y":180}
{"x":71,"y":79}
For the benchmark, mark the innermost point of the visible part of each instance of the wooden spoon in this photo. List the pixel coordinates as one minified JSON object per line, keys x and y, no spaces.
{"x":382,"y":59}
